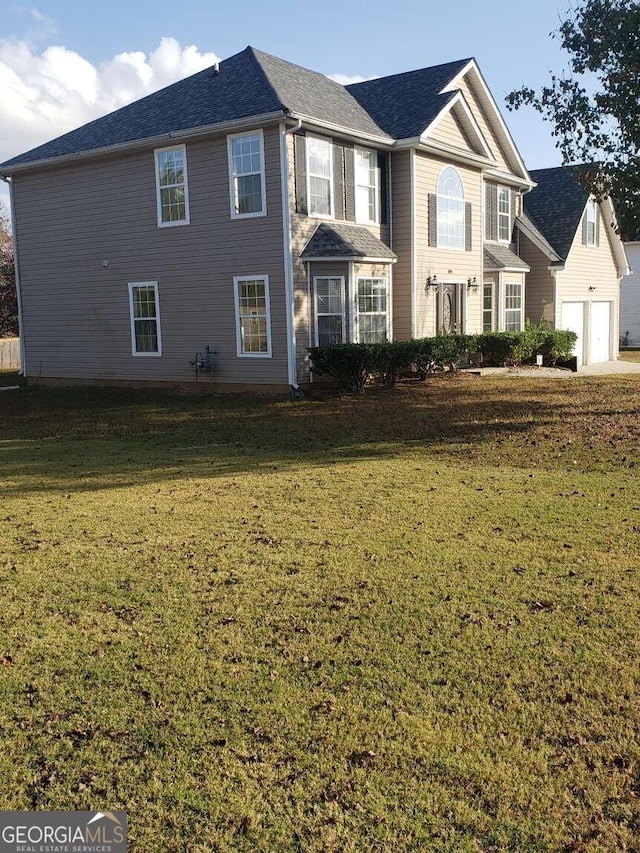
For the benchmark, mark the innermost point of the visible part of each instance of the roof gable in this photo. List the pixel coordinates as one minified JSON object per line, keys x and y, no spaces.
{"x":403,"y":105}
{"x":470,"y":82}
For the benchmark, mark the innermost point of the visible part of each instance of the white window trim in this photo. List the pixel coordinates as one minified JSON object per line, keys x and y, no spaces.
{"x":187,"y":219}
{"x":502,"y":215}
{"x":521,"y":309}
{"x":331,"y":214}
{"x":134,"y":352}
{"x":375,"y":186}
{"x":439,"y":195}
{"x":357,"y":313}
{"x":232,"y":176}
{"x":316,"y":279}
{"x":491,"y":284}
{"x":591,"y":207}
{"x":237,"y":279}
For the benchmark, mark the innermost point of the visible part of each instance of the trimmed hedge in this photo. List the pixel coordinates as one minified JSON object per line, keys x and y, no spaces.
{"x":355,"y":365}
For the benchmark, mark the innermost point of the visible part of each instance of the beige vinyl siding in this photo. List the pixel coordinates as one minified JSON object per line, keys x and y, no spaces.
{"x":630,"y":297}
{"x":449,"y":131}
{"x":448,"y":265}
{"x":76,"y":312}
{"x":401,"y":212}
{"x":474,"y":99}
{"x":539,"y":290}
{"x":595,"y":267}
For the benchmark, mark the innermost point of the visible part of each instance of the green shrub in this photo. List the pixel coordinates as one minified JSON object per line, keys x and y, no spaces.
{"x":498,"y":348}
{"x":348,"y":364}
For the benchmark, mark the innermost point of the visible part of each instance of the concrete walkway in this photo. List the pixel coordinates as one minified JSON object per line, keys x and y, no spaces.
{"x":609,"y":368}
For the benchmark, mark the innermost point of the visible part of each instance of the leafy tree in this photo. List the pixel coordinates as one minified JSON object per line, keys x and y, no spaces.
{"x":8,"y":297}
{"x":594,"y":106}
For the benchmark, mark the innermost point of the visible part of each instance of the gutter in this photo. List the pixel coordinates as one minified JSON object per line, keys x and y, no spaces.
{"x":7,"y":169}
{"x":23,"y":361}
{"x":288,"y":254}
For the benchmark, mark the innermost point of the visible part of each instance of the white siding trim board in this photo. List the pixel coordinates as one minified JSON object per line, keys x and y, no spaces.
{"x":287,"y":241}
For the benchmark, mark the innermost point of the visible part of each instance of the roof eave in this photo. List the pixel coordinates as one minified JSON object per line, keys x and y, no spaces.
{"x":360,"y":258}
{"x":443,"y":150}
{"x":382,"y":140}
{"x":619,"y":251}
{"x":146,"y":142}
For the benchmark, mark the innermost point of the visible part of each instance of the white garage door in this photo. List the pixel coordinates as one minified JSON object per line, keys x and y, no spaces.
{"x":573,"y":320}
{"x":600,"y":332}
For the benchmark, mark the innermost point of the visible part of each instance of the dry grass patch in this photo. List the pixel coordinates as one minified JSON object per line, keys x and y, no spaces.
{"x":407,"y":622}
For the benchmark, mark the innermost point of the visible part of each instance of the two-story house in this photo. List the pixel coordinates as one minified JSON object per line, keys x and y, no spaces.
{"x":258,"y":208}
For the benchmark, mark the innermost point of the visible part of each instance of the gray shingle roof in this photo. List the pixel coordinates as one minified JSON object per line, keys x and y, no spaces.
{"x":404,"y":105}
{"x":335,"y":240}
{"x":526,"y":226}
{"x":249,"y":83}
{"x":556,"y":205}
{"x":313,"y":94}
{"x":498,"y":257}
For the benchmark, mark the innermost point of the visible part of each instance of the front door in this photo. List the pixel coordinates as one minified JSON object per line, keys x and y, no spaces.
{"x":449,"y":320}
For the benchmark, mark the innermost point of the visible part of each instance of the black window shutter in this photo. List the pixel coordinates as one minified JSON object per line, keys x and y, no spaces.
{"x":468,"y":238}
{"x":338,"y":181}
{"x":433,"y":219}
{"x":300,"y":166}
{"x":584,"y":227}
{"x":384,"y":188}
{"x":513,"y":208}
{"x":349,"y":184}
{"x":597,"y":225}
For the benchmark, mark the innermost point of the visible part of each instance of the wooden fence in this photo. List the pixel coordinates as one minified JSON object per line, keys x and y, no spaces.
{"x":9,"y":353}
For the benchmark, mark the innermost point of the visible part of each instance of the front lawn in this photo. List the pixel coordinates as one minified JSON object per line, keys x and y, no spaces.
{"x":407,"y":622}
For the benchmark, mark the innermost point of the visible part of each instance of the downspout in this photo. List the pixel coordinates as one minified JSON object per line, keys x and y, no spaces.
{"x":12,"y":206}
{"x":288,"y":254}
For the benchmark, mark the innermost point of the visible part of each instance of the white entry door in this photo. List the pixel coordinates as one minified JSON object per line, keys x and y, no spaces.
{"x":573,"y":320}
{"x":600,"y":332}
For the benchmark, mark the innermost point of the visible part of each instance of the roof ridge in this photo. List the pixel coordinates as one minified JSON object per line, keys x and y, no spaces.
{"x":252,"y":52}
{"x":460,"y":62}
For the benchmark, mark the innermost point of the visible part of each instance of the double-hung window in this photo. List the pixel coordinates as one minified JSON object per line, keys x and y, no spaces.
{"x":366,"y":174}
{"x":504,"y":214}
{"x":320,"y":172}
{"x":172,"y":191}
{"x":592,"y":216}
{"x":144,"y":309}
{"x":253,"y":316}
{"x":330,"y":314}
{"x":451,"y":213}
{"x":513,"y":307}
{"x":372,"y":310}
{"x":246,"y":174}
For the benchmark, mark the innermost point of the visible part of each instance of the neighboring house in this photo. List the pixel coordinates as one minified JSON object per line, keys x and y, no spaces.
{"x":630,"y":299}
{"x":258,"y":208}
{"x":576,"y":259}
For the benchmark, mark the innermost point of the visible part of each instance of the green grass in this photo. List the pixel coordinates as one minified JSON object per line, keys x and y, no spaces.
{"x":407,"y":622}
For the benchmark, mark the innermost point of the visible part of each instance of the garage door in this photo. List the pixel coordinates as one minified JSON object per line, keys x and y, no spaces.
{"x":573,"y":320}
{"x":600,"y":349}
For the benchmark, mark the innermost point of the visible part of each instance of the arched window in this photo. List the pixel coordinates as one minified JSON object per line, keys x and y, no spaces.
{"x":450,"y":209}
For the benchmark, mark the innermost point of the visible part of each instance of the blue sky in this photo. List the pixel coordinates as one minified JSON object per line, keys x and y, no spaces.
{"x":64,"y":63}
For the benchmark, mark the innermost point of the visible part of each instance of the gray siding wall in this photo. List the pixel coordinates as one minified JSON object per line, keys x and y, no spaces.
{"x":76,"y":313}
{"x":630,"y":297}
{"x":302,"y":228}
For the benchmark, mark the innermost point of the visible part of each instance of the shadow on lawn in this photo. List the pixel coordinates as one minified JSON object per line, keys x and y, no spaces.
{"x":94,"y":438}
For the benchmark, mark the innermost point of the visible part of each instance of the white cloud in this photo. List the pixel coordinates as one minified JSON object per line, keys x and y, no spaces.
{"x":347,"y":80}
{"x":47,"y":93}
